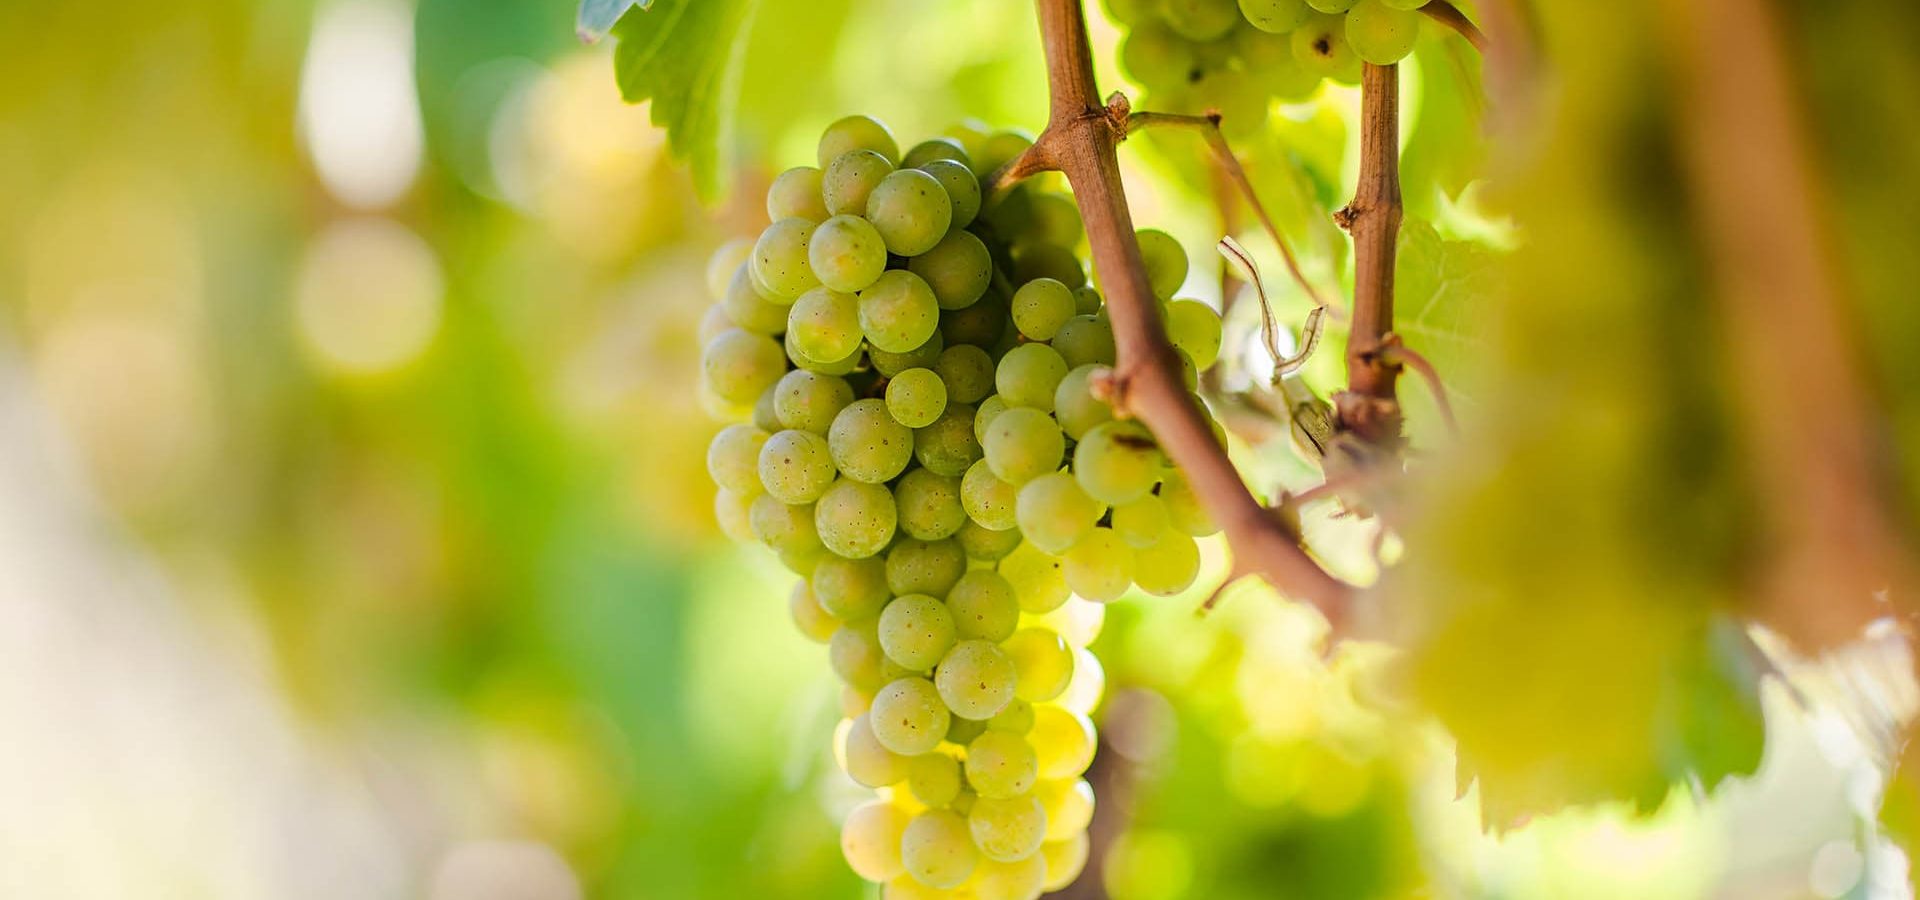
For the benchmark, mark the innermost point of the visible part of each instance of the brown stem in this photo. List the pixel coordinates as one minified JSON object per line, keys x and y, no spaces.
{"x":1080,"y":140}
{"x":1368,"y":407}
{"x":1449,"y":15}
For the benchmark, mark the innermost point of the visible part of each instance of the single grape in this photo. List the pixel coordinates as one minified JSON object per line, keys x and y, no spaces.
{"x":1118,"y":462}
{"x":890,"y":365}
{"x":857,"y":133}
{"x":1028,"y":376}
{"x":898,"y":311}
{"x":763,"y":415}
{"x":1068,"y":803}
{"x":911,"y":210}
{"x":908,"y":717}
{"x":851,"y":588}
{"x":1169,"y":566}
{"x":801,"y":562}
{"x":1268,"y":60}
{"x":985,"y":498}
{"x":1000,"y":148}
{"x":1001,"y":765}
{"x":916,"y":397}
{"x":929,"y":505}
{"x":925,"y":567}
{"x":825,"y":324}
{"x":1320,"y":46}
{"x":934,"y":778}
{"x":846,"y":253}
{"x":1023,"y":444}
{"x":1183,"y":506}
{"x":734,"y":514}
{"x":984,"y":415}
{"x":812,"y":620}
{"x":738,"y":366}
{"x":1040,"y":307}
{"x":983,"y":606}
{"x":1036,"y":576}
{"x":1331,"y":6}
{"x":1194,"y":327}
{"x":963,"y":189}
{"x":1065,"y":861}
{"x":1156,"y":57}
{"x":935,"y":148}
{"x":855,"y":519}
{"x":947,"y":446}
{"x":937,"y":850}
{"x":783,"y":526}
{"x":714,"y":321}
{"x":1165,"y":259}
{"x":1054,"y":512}
{"x":1141,"y":522}
{"x":1085,"y":340}
{"x":1055,"y":219}
{"x":746,"y":307}
{"x":916,"y":631}
{"x":795,"y":466}
{"x":1100,"y":567}
{"x":725,"y":261}
{"x":1075,"y":407}
{"x":871,"y":840}
{"x":1201,"y":20}
{"x":795,"y":194}
{"x":1043,"y":260}
{"x":1132,"y":13}
{"x":1022,"y":879}
{"x":855,"y":655}
{"x":1406,"y":4}
{"x":1042,"y":661}
{"x":958,"y":269}
{"x":1017,"y":718}
{"x":1086,"y":301}
{"x":866,"y":760}
{"x":967,"y":371}
{"x":843,"y":366}
{"x":733,"y":458}
{"x":1007,"y":829}
{"x":1063,"y":743}
{"x":867,"y":444}
{"x":779,"y":262}
{"x":1274,"y":16}
{"x":976,"y":679}
{"x":809,"y":401}
{"x":984,"y":544}
{"x":1380,"y":33}
{"x":982,"y":325}
{"x":850,"y":179}
{"x":962,"y":732}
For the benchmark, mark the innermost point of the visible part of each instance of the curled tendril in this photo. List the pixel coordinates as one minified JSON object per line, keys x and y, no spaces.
{"x":1283,"y":364}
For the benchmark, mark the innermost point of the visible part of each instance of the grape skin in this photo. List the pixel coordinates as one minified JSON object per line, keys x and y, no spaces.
{"x":911,"y":210}
{"x":898,"y":311}
{"x":855,"y":519}
{"x":936,"y":849}
{"x":870,"y":839}
{"x":780,"y":259}
{"x":795,"y":193}
{"x":846,"y":254}
{"x":975,"y":679}
{"x":857,"y":133}
{"x":1023,"y":444}
{"x":916,"y":397}
{"x":909,"y":717}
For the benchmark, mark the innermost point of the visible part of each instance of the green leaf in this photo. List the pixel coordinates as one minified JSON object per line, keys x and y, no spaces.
{"x":596,"y":16}
{"x":686,"y":57}
{"x":1442,"y":294}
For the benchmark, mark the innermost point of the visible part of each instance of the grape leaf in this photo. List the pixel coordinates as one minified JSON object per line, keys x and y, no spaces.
{"x":596,"y":16}
{"x":1440,"y":291}
{"x":686,"y":57}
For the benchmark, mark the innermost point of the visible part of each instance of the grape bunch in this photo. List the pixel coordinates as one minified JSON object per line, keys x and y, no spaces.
{"x":920,"y":439}
{"x":1192,"y":55}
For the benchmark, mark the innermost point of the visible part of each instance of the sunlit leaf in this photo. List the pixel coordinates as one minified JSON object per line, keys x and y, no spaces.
{"x":686,"y":57}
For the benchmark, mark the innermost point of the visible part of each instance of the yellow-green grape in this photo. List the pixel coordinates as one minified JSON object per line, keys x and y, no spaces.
{"x":783,"y":526}
{"x":732,"y":511}
{"x":809,"y":401}
{"x":1132,"y":12}
{"x":779,"y":262}
{"x":1118,"y":462}
{"x":958,"y":269}
{"x":851,"y":588}
{"x":846,"y":253}
{"x":929,"y":505}
{"x":947,"y":446}
{"x":1156,"y":57}
{"x":1331,"y":6}
{"x":898,"y":311}
{"x":1169,"y":566}
{"x":1068,"y":803}
{"x":725,"y":262}
{"x":801,"y":562}
{"x":1000,"y":764}
{"x":962,"y":187}
{"x":1089,"y":682}
{"x":934,"y":778}
{"x":1040,"y":259}
{"x":906,"y":887}
{"x":844,"y":366}
{"x":712,"y":322}
{"x":1086,"y":301}
{"x":1017,"y":718}
{"x":1085,"y":340}
{"x":1202,"y":20}
{"x":976,"y":679}
{"x":795,"y":193}
{"x":967,"y":372}
{"x":738,"y":365}
{"x":1054,"y":512}
{"x":746,"y":307}
{"x":867,"y":444}
{"x":733,"y":458}
{"x":1195,"y":328}
{"x":1041,"y":306}
{"x":763,"y":417}
{"x":1065,"y":860}
{"x":985,"y":498}
{"x":1018,"y":880}
{"x":1038,"y":583}
{"x":855,"y":655}
{"x":1000,"y":148}
{"x":1042,"y":663}
{"x":855,"y":519}
{"x":908,"y":716}
{"x":936,"y":850}
{"x":935,"y":148}
{"x":911,"y":210}
{"x":1275,"y":16}
{"x":870,"y":839}
{"x":970,"y":132}
{"x":916,"y":397}
{"x":1055,"y":219}
{"x":921,"y":357}
{"x":1380,"y":33}
{"x":795,"y":466}
{"x":1023,"y":444}
{"x":1183,"y":506}
{"x":1320,"y":46}
{"x":1007,"y":829}
{"x":1063,"y":742}
{"x":850,"y":179}
{"x":1165,"y":259}
{"x":985,"y":544}
{"x":984,"y":324}
{"x":963,"y":730}
{"x":812,"y":620}
{"x":924,"y":567}
{"x":1406,"y":4}
{"x":916,"y":631}
{"x":1268,"y":60}
{"x":824,"y":324}
{"x":1075,"y":407}
{"x":857,"y":133}
{"x":866,"y":760}
{"x":983,"y":416}
{"x":1141,"y":522}
{"x":1100,"y":567}
{"x":1028,"y":376}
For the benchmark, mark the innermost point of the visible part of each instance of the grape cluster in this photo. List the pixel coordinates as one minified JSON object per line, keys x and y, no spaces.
{"x":1196,"y":54}
{"x":923,"y":443}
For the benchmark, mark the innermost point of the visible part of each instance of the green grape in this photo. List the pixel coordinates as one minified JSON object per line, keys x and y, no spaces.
{"x":983,"y":416}
{"x":795,"y":194}
{"x":1055,"y":220}
{"x":967,"y":372}
{"x":1040,"y":307}
{"x":1118,"y":462}
{"x":1008,"y":829}
{"x":1000,"y":148}
{"x":1086,"y":301}
{"x":970,"y":132}
{"x":1017,"y":718}
{"x":733,"y":458}
{"x":963,"y":189}
{"x":890,"y":365}
{"x":867,"y":444}
{"x":898,"y":312}
{"x":1042,"y":661}
{"x":1075,"y":407}
{"x":908,"y":716}
{"x":1065,"y":861}
{"x":1089,"y":679}
{"x":963,"y":730}
{"x":1202,"y":20}
{"x":1043,"y":260}
{"x":947,"y":446}
{"x":851,"y":588}
{"x":982,"y":325}
{"x":1085,"y":340}
{"x":795,"y":466}
{"x":850,"y":180}
{"x":1274,"y":16}
{"x":929,"y":505}
{"x":976,"y":679}
{"x":916,"y":631}
{"x":843,"y":366}
{"x":870,"y":840}
{"x":855,"y":654}
{"x":714,"y":321}
{"x":1000,"y":765}
{"x":783,"y":526}
{"x":934,"y":778}
{"x":1141,"y":522}
{"x":1194,"y":328}
{"x":1331,"y":6}
{"x":866,"y":760}
{"x":733,"y":512}
{"x":846,"y":253}
{"x":916,"y":397}
{"x":739,"y":365}
{"x":911,"y":210}
{"x":984,"y":544}
{"x":1156,"y":57}
{"x":983,"y":606}
{"x":809,"y":401}
{"x":1183,"y":506}
{"x":779,"y":262}
{"x":1165,"y":259}
{"x":1063,"y":741}
{"x":1023,"y":444}
{"x":1169,"y":566}
{"x":746,"y":307}
{"x":825,"y":324}
{"x":958,"y":269}
{"x":986,"y":499}
{"x":935,"y":148}
{"x":800,"y":562}
{"x":725,"y":261}
{"x":1022,"y":879}
{"x":1238,"y":96}
{"x":1406,"y":4}
{"x":857,"y":133}
{"x":1067,"y":801}
{"x":1381,"y":34}
{"x":1036,"y":576}
{"x":855,"y":519}
{"x":1268,"y":59}
{"x":1320,"y":46}
{"x":937,"y":850}
{"x":1132,"y":12}
{"x":813,"y":621}
{"x":907,"y":887}
{"x":1028,"y":376}
{"x":1100,"y":567}
{"x":1054,"y":512}
{"x":763,"y":415}
{"x":925,"y":567}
